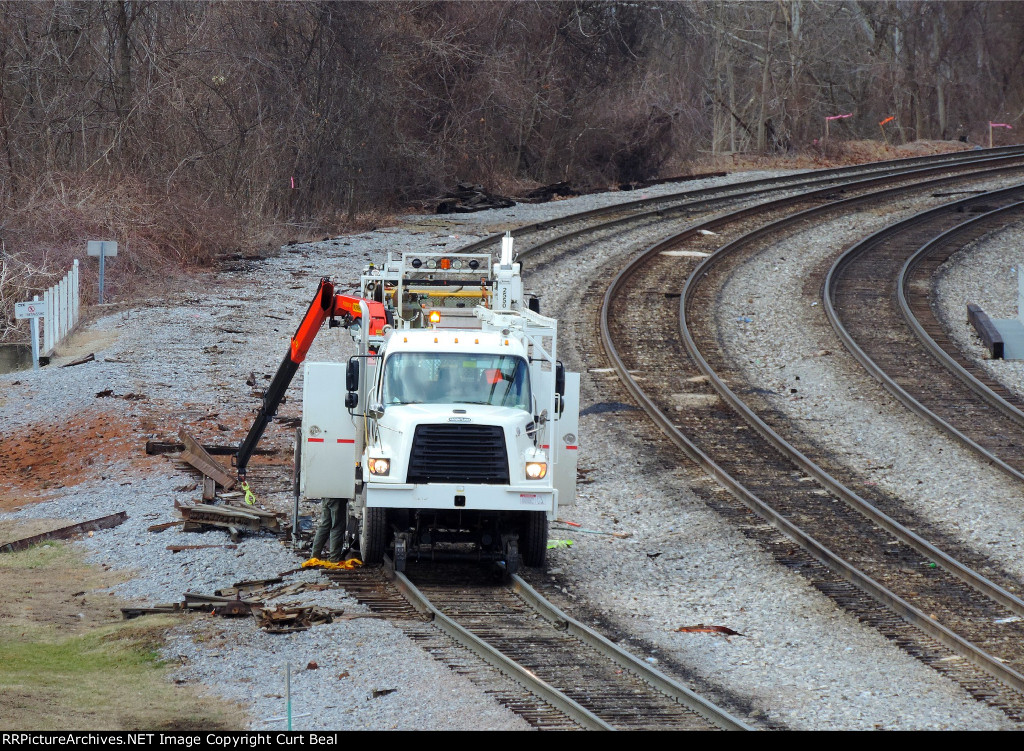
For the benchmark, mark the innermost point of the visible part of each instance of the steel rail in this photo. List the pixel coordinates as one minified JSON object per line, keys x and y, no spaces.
{"x":903,"y":284}
{"x":829,"y":187}
{"x":731,"y":216}
{"x":493,"y":657}
{"x":831,"y":280}
{"x":582,"y":633}
{"x":880,"y":593}
{"x":853,"y":499}
{"x":555,"y":698}
{"x":684,"y":696}
{"x":761,"y":186}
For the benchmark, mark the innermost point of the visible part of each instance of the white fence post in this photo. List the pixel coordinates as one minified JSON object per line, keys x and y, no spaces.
{"x":66,"y":313}
{"x":74,"y":294}
{"x":62,"y":308}
{"x":48,"y":320}
{"x":35,"y":338}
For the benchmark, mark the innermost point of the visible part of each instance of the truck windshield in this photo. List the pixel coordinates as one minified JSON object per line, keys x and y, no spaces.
{"x":450,"y":378}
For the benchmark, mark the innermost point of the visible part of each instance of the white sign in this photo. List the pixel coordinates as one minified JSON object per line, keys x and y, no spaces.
{"x":102,"y":248}
{"x":29,"y":309}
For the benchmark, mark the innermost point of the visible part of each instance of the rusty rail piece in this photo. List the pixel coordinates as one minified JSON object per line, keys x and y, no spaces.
{"x":213,"y":449}
{"x":561,"y":621}
{"x":197,"y":456}
{"x":229,"y":517}
{"x":242,"y":598}
{"x":195,"y":601}
{"x":877,"y":591}
{"x":104,"y":522}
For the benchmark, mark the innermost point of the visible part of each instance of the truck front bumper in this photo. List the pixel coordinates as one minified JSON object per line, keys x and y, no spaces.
{"x":455,"y":496}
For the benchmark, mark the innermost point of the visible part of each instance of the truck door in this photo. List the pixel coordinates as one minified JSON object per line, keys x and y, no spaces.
{"x":566,"y":436}
{"x":331,"y":444}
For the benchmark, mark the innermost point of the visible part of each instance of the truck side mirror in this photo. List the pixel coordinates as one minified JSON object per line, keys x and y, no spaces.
{"x":352,"y":375}
{"x":351,"y":400}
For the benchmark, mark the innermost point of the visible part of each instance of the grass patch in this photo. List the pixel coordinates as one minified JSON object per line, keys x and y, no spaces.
{"x":67,"y":661}
{"x":38,"y":556}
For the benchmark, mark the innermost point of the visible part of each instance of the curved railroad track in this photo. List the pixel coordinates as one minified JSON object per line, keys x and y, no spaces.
{"x":563,"y":239}
{"x":558,"y":674}
{"x":914,"y":289}
{"x":886,"y":322}
{"x":686,"y":384}
{"x":689,"y":205}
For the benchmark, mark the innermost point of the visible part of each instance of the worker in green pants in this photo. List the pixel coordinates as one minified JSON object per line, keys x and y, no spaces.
{"x":332,"y":526}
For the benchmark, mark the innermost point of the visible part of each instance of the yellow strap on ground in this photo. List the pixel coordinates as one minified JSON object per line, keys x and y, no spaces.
{"x":250,"y":499}
{"x":348,"y":565}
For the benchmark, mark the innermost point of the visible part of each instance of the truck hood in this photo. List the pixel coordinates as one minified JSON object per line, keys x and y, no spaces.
{"x":396,"y":430}
{"x":400,"y":416}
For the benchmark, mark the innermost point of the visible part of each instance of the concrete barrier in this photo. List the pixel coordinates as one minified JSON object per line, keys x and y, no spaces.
{"x":987,"y":330}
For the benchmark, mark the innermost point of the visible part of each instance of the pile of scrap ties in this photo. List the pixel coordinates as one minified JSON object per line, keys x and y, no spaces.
{"x":246,"y":599}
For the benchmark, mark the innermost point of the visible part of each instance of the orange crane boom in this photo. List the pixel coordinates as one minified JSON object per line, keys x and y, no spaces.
{"x":341,"y":310}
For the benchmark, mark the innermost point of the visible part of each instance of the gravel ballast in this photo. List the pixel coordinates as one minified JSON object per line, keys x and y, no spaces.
{"x":801,"y":662}
{"x":839,"y":406}
{"x":985,"y":273}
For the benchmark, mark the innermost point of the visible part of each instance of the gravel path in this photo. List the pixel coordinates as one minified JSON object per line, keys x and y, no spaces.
{"x":801,"y":662}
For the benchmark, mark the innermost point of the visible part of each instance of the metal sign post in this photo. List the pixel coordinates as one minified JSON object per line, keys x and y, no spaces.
{"x":33,"y":310}
{"x":102,"y":248}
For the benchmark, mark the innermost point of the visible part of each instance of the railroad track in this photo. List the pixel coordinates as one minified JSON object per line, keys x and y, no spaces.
{"x":876,"y":297}
{"x":690,"y":389}
{"x":690,"y":205}
{"x":556,"y":673}
{"x":566,"y":237}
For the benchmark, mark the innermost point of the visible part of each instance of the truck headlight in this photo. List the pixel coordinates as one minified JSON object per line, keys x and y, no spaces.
{"x":536,"y":470}
{"x":379,"y":467}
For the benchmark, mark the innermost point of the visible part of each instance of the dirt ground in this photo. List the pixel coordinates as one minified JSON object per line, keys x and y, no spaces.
{"x":68,"y":660}
{"x":50,"y":456}
{"x":55,"y":592}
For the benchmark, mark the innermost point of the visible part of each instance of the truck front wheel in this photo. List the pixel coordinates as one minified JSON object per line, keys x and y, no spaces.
{"x":535,"y":538}
{"x":373,"y":535}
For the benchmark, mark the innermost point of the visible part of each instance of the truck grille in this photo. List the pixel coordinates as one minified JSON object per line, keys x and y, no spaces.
{"x":459,"y":453}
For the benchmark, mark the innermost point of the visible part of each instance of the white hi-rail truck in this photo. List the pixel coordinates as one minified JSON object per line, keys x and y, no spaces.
{"x":453,"y":431}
